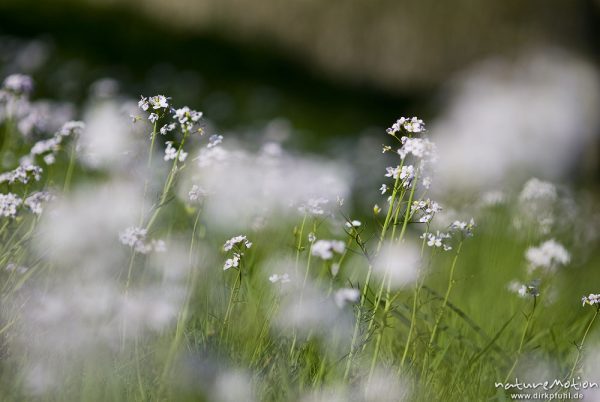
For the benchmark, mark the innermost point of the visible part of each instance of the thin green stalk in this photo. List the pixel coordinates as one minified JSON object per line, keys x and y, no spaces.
{"x":365,"y":287}
{"x":580,"y":347}
{"x":522,"y":341}
{"x":446,"y":296}
{"x":168,"y":183}
{"x":71,"y":166}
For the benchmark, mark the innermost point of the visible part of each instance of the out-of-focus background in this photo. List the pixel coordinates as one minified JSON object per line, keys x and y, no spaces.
{"x":510,"y":89}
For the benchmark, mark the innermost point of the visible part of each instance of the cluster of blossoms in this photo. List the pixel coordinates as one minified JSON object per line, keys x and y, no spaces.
{"x":324,"y":249}
{"x":405,"y":173}
{"x":157,"y":102}
{"x":275,"y":278}
{"x":466,"y":228}
{"x":241,"y":240}
{"x":314,"y":206}
{"x":238,"y":242}
{"x":196,"y":193}
{"x":214,"y":140}
{"x":346,"y":295}
{"x":49,"y":147}
{"x":426,"y":209}
{"x":420,"y":148}
{"x":411,"y":125}
{"x":548,"y":256}
{"x":531,"y":289}
{"x":18,"y":84}
{"x":135,"y":237}
{"x":591,"y":299}
{"x":353,"y":224}
{"x":187,"y":118}
{"x":36,"y":200}
{"x":22,"y":174}
{"x":437,"y":240}
{"x":172,"y":153}
{"x":9,"y":203}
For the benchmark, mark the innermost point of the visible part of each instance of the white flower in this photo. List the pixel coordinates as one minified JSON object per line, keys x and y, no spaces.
{"x":135,"y":237}
{"x":9,"y":204}
{"x":412,"y":125}
{"x":187,"y":117}
{"x":383,"y":188}
{"x":311,"y":237}
{"x":392,"y":172}
{"x":153,"y":117}
{"x":22,"y":174}
{"x":49,"y":159}
{"x":591,"y":299}
{"x":233,"y":262}
{"x":214,"y":140}
{"x":196,"y":193}
{"x":167,"y":128}
{"x":353,"y":224}
{"x":275,"y":278}
{"x":536,"y":189}
{"x":35,"y":201}
{"x":427,"y":209}
{"x":437,"y":240}
{"x":549,"y":255}
{"x":324,"y":249}
{"x":466,"y":228}
{"x":398,"y":262}
{"x":314,"y":206}
{"x":143,"y":104}
{"x":346,"y":295}
{"x":241,"y":240}
{"x":158,"y":102}
{"x":427,"y":182}
{"x":18,"y":84}
{"x":171,"y":152}
{"x":420,"y":148}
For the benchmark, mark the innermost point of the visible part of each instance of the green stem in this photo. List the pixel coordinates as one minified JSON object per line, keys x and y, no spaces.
{"x":580,"y":347}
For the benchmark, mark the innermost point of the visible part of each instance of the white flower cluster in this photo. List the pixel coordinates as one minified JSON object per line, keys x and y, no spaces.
{"x":35,"y":201}
{"x":591,"y":299}
{"x":353,"y":224}
{"x":135,"y":237}
{"x":157,"y":102}
{"x":196,"y":193}
{"x":22,"y":174}
{"x":426,"y":209}
{"x":324,"y":249}
{"x":214,"y":140}
{"x":49,"y":147}
{"x":187,"y":118}
{"x":241,"y":240}
{"x":18,"y":84}
{"x":404,"y":173}
{"x":314,"y":206}
{"x":275,"y":278}
{"x":9,"y":204}
{"x":420,"y":148}
{"x":466,"y":228}
{"x":536,"y":189}
{"x":531,"y":289}
{"x":549,"y":255}
{"x":437,"y":239}
{"x":171,"y":153}
{"x":346,"y":295}
{"x":411,"y":125}
{"x":233,"y":262}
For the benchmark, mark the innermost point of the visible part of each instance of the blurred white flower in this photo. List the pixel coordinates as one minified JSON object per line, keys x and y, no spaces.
{"x":548,"y":256}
